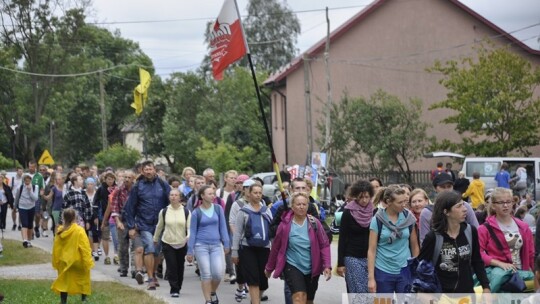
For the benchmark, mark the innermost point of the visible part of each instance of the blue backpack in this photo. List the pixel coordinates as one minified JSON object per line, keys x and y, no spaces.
{"x":256,"y":230}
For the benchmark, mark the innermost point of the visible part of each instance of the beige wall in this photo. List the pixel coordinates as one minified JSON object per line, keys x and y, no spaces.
{"x":390,"y":49}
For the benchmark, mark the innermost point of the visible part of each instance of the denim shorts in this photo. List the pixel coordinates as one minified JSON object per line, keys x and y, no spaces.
{"x":146,"y":240}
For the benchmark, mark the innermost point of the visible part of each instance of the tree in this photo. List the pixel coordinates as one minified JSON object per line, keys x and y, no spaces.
{"x":493,"y":100}
{"x":117,"y":156}
{"x":388,"y":133}
{"x":272,"y":30}
{"x":224,"y":156}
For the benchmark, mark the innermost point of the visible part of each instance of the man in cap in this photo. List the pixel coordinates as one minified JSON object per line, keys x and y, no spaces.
{"x":442,"y":182}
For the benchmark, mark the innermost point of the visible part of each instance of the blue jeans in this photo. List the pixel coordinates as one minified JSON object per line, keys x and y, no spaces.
{"x":287,"y":292}
{"x":211,"y":261}
{"x":114,"y":235}
{"x":389,"y":283}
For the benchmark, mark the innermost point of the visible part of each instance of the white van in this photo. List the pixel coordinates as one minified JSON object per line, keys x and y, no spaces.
{"x":489,"y":166}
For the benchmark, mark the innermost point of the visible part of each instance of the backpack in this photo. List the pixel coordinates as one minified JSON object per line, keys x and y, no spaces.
{"x":380,"y":224}
{"x":199,"y":214}
{"x":439,"y":242}
{"x":164,"y":211}
{"x":256,"y":229}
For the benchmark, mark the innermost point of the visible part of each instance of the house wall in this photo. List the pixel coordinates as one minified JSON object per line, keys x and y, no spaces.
{"x":390,"y":49}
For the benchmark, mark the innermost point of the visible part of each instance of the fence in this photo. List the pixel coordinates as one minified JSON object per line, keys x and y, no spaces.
{"x":420,"y":179}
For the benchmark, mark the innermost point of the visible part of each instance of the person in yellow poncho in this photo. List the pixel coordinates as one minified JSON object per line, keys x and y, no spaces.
{"x":72,"y":258}
{"x":475,"y":191}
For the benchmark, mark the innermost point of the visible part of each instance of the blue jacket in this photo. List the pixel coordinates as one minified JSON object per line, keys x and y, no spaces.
{"x":145,"y":201}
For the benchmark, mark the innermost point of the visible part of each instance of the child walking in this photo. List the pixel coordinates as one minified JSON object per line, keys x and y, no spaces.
{"x":72,"y":258}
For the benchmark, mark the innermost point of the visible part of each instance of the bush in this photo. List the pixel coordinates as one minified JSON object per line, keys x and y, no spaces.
{"x":7,"y":163}
{"x":117,"y":156}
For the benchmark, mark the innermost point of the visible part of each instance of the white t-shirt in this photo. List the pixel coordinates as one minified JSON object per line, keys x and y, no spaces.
{"x":514,"y":240}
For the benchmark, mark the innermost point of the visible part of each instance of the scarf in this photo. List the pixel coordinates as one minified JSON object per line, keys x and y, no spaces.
{"x":362,"y":215}
{"x":395,"y":230}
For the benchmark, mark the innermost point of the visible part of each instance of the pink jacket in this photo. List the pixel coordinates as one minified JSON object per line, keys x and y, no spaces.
{"x":320,"y":248}
{"x":489,"y":250}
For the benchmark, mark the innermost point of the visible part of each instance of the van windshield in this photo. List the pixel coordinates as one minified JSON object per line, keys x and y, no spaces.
{"x":485,"y":168}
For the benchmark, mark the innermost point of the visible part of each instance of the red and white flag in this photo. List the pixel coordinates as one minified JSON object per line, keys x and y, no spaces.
{"x":227,"y":43}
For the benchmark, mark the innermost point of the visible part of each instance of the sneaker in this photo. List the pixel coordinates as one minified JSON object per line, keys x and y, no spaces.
{"x":151,"y":286}
{"x":45,"y":234}
{"x":227,"y":278}
{"x":156,"y":282}
{"x":30,"y":245}
{"x":19,"y":228}
{"x":25,"y":244}
{"x":95,"y":255}
{"x":123,"y":274}
{"x":99,"y":251}
{"x":14,"y":227}
{"x":239,"y":295}
{"x":107,"y":261}
{"x":214,"y":298}
{"x":133,"y":273}
{"x":232,"y":279}
{"x":246,"y":292}
{"x":36,"y":230}
{"x":116,"y":261}
{"x":264,"y":298}
{"x":175,"y":295}
{"x":140,"y":278}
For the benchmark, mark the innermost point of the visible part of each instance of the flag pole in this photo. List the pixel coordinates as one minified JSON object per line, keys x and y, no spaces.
{"x":261,"y":107}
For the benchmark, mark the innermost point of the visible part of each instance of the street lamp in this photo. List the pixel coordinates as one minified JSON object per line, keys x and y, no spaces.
{"x":13,"y":127}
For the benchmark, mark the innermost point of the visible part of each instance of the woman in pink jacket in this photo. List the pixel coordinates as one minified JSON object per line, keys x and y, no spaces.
{"x":506,"y":243}
{"x":300,"y":251}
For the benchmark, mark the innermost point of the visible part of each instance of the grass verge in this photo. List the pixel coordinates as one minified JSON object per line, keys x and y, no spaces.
{"x":16,"y":254}
{"x":39,"y":292}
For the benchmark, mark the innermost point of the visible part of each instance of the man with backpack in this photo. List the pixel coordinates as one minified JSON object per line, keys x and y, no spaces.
{"x":148,"y":196}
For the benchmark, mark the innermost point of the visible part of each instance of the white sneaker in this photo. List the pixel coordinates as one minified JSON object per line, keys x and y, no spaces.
{"x":226,"y":278}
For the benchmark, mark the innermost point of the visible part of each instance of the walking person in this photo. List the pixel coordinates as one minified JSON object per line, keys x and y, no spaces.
{"x":354,"y":237}
{"x":77,"y":199}
{"x":101,"y":200}
{"x":506,"y":243}
{"x":6,"y":199}
{"x":392,"y":241}
{"x":25,"y":202}
{"x":118,"y":200}
{"x":16,"y":182}
{"x":148,"y":196}
{"x":458,"y":258}
{"x":55,"y":196}
{"x":72,"y":259}
{"x":173,"y":231}
{"x":251,"y":242}
{"x":208,"y":242}
{"x":300,"y":251}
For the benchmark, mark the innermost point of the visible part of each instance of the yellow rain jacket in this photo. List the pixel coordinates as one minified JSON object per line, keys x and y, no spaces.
{"x":475,"y":192}
{"x":72,"y":258}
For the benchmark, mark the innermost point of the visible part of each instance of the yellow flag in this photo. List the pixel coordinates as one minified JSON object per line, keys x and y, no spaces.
{"x":140,"y":94}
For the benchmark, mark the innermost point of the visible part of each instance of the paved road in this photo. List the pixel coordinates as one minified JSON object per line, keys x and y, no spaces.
{"x":328,"y":292}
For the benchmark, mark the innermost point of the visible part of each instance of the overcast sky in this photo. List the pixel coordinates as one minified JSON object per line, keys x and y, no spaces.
{"x":171,"y":32}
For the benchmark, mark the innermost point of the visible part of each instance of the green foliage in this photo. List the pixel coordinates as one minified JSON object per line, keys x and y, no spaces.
{"x":222,"y":112}
{"x":388,"y":133}
{"x":117,"y":156}
{"x":272,"y":30}
{"x":223,"y":156}
{"x":7,"y":163}
{"x":495,"y":109}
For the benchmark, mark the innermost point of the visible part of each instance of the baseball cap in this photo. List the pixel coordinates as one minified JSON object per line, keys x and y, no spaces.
{"x":242,"y":178}
{"x":248,"y":183}
{"x":442,"y":179}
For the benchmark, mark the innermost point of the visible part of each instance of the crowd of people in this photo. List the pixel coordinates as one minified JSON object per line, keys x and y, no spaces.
{"x":157,"y":224}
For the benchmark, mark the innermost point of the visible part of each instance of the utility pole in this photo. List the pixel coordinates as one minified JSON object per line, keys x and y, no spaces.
{"x":103,"y":114}
{"x":327,"y":138}
{"x":51,"y":127}
{"x":307,"y":97}
{"x":13,"y":127}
